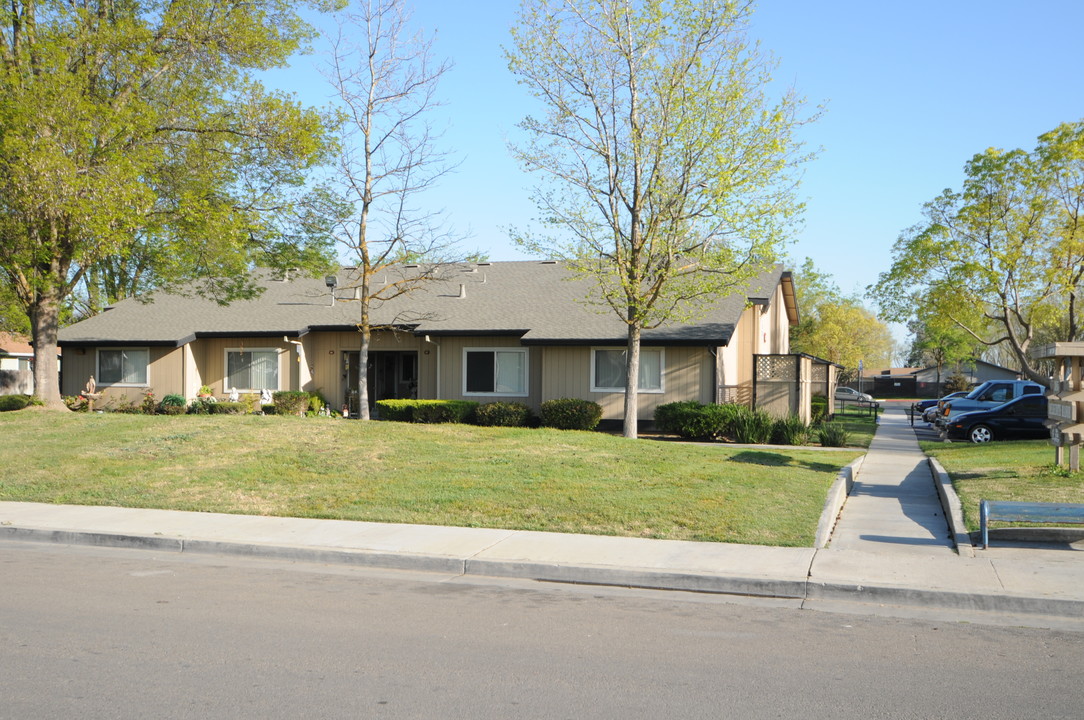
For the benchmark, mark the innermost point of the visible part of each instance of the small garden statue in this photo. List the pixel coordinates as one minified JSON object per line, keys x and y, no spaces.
{"x":234,"y":396}
{"x":89,"y":395}
{"x":265,"y":397}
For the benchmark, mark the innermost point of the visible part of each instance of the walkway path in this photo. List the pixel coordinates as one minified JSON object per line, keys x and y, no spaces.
{"x":894,"y":507}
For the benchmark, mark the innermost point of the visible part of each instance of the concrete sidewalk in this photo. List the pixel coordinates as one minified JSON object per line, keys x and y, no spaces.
{"x":891,"y":547}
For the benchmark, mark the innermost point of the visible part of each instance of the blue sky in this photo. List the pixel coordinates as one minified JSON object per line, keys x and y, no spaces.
{"x":912,"y":90}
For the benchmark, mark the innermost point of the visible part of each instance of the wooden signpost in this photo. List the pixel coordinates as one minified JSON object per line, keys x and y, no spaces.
{"x":1065,"y":414}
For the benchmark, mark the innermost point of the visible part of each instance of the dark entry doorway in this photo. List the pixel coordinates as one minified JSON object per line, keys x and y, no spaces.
{"x":392,"y":375}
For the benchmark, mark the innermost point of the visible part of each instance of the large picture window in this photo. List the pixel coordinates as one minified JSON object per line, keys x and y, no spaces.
{"x":608,"y":370}
{"x":252,"y":370}
{"x":492,"y":371}
{"x":123,"y":366}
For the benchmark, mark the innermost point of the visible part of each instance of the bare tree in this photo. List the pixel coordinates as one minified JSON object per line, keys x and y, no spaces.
{"x":660,"y":155}
{"x":385,"y":79}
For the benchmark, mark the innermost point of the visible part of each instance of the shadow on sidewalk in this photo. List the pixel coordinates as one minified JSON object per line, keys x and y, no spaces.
{"x":918,"y":502}
{"x":897,"y":540}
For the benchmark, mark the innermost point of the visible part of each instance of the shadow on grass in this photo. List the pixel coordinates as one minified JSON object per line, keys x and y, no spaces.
{"x":771,"y":459}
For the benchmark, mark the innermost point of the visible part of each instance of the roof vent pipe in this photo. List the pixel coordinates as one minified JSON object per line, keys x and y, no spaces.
{"x":462,"y":290}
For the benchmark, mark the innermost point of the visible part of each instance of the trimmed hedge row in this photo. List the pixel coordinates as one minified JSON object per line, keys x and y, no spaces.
{"x":427,"y":411}
{"x":563,"y":414}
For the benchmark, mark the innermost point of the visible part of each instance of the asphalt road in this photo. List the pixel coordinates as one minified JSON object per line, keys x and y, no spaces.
{"x":98,"y":633}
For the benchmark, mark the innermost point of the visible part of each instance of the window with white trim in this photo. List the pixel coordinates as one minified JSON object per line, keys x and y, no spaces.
{"x":252,"y":370}
{"x":608,"y":370}
{"x":495,"y":371}
{"x":123,"y":366}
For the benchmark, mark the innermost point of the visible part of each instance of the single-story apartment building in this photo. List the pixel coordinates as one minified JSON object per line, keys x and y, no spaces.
{"x":526,"y":331}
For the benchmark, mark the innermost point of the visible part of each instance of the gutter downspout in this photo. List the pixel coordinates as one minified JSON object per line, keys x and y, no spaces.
{"x":433,"y":342}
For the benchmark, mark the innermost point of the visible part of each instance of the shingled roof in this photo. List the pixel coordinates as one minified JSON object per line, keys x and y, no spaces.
{"x":540,"y":302}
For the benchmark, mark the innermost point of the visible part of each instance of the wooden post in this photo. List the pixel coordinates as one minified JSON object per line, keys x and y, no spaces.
{"x":1065,"y":416}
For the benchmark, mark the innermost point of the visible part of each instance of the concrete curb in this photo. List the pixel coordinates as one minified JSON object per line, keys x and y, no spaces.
{"x":950,"y":503}
{"x":833,"y":504}
{"x":639,"y":578}
{"x":363,"y":558}
{"x":803,"y":590}
{"x":978,"y":602}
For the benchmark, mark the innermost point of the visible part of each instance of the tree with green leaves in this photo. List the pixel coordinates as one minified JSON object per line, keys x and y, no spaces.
{"x":135,"y":131}
{"x":939,"y":342}
{"x":837,"y":327}
{"x":665,"y":169}
{"x":1001,"y":259}
{"x":385,"y":80}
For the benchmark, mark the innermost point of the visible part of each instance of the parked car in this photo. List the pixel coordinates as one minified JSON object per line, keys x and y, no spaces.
{"x":927,"y":409}
{"x":846,"y":394}
{"x":987,"y":396}
{"x":1018,"y":419}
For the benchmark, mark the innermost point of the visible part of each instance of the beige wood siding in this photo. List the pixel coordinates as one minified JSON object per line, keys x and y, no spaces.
{"x":451,"y":369}
{"x":780,"y":328}
{"x":210,"y":358}
{"x":688,"y":375}
{"x":78,"y":366}
{"x":165,"y":374}
{"x":324,"y":351}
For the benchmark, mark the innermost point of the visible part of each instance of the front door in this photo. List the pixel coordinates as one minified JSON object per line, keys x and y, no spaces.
{"x":392,"y":375}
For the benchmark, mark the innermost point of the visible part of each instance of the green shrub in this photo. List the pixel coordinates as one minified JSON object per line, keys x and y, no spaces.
{"x":790,"y":431}
{"x":396,"y":410}
{"x":250,"y":402}
{"x":444,"y":411}
{"x":832,"y":435}
{"x":571,"y":414}
{"x":316,"y":403}
{"x":173,"y":404}
{"x":201,"y":406}
{"x":671,"y":417}
{"x":149,"y":404}
{"x":751,"y":426}
{"x":427,"y":411}
{"x":290,"y":402}
{"x":502,"y":414}
{"x":818,"y":409}
{"x":957,"y":382}
{"x":229,"y":408}
{"x":124,"y":406}
{"x":267,"y":409}
{"x":13,"y":402}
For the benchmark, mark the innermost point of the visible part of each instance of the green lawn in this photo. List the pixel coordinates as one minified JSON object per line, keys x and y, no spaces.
{"x":1020,"y":470}
{"x":860,"y":426}
{"x":433,"y":474}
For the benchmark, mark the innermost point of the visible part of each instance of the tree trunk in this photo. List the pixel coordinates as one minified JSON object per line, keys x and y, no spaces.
{"x":365,"y":327}
{"x":632,"y":382}
{"x":45,"y":319}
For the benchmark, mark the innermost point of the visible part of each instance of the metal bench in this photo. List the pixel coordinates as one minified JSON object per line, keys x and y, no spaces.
{"x":1029,"y":512}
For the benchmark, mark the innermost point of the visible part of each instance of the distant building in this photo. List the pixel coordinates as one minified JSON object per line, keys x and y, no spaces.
{"x":16,"y":365}
{"x":929,"y":381}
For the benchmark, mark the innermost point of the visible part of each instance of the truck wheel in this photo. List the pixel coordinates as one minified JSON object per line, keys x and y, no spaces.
{"x":980,"y":434}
